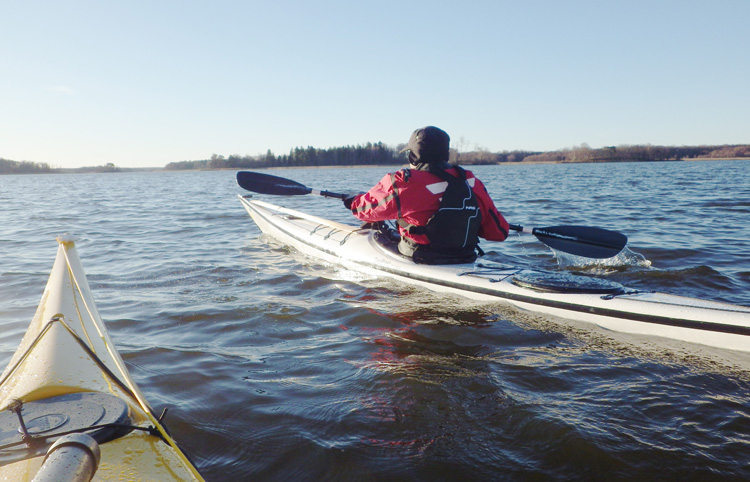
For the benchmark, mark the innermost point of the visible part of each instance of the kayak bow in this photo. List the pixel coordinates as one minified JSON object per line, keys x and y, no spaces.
{"x":67,"y":384}
{"x":561,"y":295}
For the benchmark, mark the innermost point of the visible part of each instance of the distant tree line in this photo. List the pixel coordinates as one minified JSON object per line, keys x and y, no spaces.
{"x":108,"y":167}
{"x":27,"y":167}
{"x":584,"y":153}
{"x":378,"y":153}
{"x":368,"y":155}
{"x":729,"y":152}
{"x":23,"y":167}
{"x":483,"y":156}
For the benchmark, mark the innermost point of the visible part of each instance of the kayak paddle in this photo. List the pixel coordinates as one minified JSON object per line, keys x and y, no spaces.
{"x":585,"y":241}
{"x":267,"y":184}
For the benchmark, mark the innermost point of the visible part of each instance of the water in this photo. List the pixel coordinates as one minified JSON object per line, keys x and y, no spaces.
{"x":279,"y":367}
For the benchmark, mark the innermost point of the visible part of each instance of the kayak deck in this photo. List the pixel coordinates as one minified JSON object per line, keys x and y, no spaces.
{"x":606,"y":304}
{"x":67,"y":375}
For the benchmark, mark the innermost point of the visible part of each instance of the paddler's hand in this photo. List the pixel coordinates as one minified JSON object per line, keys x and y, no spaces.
{"x":348,"y":200}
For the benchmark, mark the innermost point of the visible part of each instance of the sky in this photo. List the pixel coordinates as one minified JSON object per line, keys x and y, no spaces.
{"x":145,"y":83}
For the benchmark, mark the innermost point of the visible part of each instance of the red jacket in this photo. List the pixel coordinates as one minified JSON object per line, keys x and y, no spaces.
{"x":415,"y":196}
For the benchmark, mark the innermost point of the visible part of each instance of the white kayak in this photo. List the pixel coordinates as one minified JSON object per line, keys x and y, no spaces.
{"x":67,"y":397}
{"x":573,"y":297}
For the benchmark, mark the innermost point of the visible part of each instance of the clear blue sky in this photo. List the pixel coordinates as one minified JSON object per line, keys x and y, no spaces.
{"x":144,"y":83}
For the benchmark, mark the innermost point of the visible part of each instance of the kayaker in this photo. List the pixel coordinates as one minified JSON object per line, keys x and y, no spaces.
{"x":413,"y":196}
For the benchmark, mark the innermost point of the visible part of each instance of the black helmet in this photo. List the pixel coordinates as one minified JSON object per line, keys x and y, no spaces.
{"x":428,"y":145}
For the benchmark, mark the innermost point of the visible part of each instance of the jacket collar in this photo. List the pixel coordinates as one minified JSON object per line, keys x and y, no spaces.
{"x":424,"y":166}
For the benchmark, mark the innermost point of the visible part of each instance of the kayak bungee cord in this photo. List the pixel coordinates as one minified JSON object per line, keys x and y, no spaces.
{"x":112,"y":353}
{"x":99,"y":363}
{"x":26,"y":353}
{"x":16,"y":406}
{"x":131,"y":389}
{"x":67,"y":386}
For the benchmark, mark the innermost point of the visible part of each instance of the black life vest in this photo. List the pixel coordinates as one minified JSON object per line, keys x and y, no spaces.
{"x":454,"y":228}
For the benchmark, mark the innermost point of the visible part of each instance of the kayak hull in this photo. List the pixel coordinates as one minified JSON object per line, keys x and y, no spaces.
{"x":67,"y":354}
{"x":614,"y":308}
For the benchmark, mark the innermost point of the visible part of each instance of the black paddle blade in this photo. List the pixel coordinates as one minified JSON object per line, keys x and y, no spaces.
{"x":267,"y":184}
{"x":585,"y":241}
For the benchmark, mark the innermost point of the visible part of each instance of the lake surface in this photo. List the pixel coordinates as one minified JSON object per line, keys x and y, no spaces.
{"x":280,"y":367}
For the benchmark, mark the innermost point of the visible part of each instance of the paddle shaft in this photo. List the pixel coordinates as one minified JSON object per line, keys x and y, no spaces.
{"x":337,"y":195}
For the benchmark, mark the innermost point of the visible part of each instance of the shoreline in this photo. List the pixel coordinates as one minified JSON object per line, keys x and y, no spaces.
{"x":74,"y":170}
{"x":519,"y":163}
